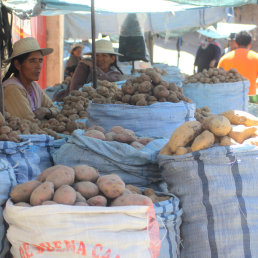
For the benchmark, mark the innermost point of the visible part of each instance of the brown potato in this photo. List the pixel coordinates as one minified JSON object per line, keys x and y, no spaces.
{"x":134,"y":189}
{"x":86,"y":189}
{"x":43,"y":192}
{"x":219,"y":125}
{"x":65,"y":194}
{"x":81,"y":204}
{"x":98,"y":200}
{"x":111,"y":185}
{"x":43,"y":175}
{"x":61,"y":176}
{"x":132,"y":199}
{"x":86,"y":173}
{"x":22,"y":192}
{"x":48,"y":203}
{"x":95,"y":134}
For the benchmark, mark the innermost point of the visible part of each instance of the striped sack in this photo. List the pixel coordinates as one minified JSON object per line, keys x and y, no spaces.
{"x":218,"y":191}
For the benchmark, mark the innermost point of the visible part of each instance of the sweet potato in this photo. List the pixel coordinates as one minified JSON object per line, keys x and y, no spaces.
{"x":238,"y":117}
{"x":111,"y":185}
{"x":86,"y":189}
{"x":98,"y":200}
{"x":181,"y":150}
{"x":61,"y":176}
{"x":22,"y":192}
{"x":184,"y":134}
{"x":227,"y":141}
{"x":117,"y":129}
{"x":219,"y":125}
{"x":98,"y":128}
{"x":251,"y":141}
{"x":110,"y":136}
{"x":86,"y":173}
{"x":240,"y":132}
{"x":166,"y":150}
{"x":132,"y":199}
{"x":43,"y":192}
{"x":137,"y":145}
{"x":203,"y":141}
{"x":95,"y":134}
{"x":124,"y":137}
{"x":65,"y":194}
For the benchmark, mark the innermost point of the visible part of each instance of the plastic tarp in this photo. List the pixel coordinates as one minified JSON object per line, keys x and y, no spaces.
{"x":217,"y":2}
{"x":78,"y":25}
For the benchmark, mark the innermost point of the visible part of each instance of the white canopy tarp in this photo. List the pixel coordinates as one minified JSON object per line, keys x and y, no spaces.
{"x":78,"y":25}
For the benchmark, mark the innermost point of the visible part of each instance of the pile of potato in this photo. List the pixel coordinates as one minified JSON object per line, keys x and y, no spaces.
{"x":105,"y":92}
{"x":75,"y":106}
{"x":229,"y":128}
{"x":214,"y":75}
{"x":119,"y":134}
{"x":148,"y":89}
{"x":6,"y":132}
{"x":78,"y":186}
{"x":155,"y":69}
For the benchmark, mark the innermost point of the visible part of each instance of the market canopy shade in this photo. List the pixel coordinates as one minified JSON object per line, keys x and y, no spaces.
{"x":228,"y":28}
{"x":225,"y":3}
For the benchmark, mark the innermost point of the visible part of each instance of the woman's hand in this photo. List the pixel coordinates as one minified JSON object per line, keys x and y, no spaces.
{"x":42,"y":112}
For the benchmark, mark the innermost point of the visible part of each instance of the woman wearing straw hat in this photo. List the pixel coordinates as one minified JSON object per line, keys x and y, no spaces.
{"x":209,"y":52}
{"x":23,"y":96}
{"x":74,"y":59}
{"x":106,"y":66}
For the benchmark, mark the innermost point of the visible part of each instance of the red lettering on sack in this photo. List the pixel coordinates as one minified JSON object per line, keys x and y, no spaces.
{"x":27,"y":249}
{"x":70,"y":246}
{"x":57,"y":245}
{"x":22,"y":252}
{"x":94,"y":251}
{"x":106,"y":254}
{"x":81,"y":249}
{"x":40,"y":249}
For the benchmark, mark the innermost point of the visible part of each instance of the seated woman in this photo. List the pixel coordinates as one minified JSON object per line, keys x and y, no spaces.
{"x":74,"y":59}
{"x":23,"y":96}
{"x":106,"y":66}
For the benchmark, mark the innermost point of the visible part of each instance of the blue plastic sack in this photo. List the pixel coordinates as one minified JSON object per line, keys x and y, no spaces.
{"x":218,"y":192}
{"x":138,"y":167}
{"x":156,"y":120}
{"x":23,"y":157}
{"x":219,"y":97}
{"x":168,"y":214}
{"x":7,"y":182}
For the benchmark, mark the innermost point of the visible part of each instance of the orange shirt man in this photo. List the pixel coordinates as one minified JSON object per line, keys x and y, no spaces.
{"x":243,"y":60}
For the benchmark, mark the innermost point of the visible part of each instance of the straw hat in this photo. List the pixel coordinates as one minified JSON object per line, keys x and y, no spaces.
{"x":211,"y":32}
{"x":27,"y":45}
{"x":76,"y":45}
{"x":105,"y":47}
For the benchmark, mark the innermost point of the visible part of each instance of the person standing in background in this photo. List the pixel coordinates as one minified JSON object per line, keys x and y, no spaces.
{"x":208,"y":55}
{"x":74,"y":59}
{"x":244,"y":60}
{"x":231,"y":43}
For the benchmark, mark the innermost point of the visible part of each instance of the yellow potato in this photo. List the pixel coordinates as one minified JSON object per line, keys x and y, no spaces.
{"x":203,"y":141}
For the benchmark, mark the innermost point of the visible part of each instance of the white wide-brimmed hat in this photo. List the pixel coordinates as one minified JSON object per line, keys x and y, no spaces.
{"x":27,"y":45}
{"x":105,"y":47}
{"x":76,"y":45}
{"x":211,"y":32}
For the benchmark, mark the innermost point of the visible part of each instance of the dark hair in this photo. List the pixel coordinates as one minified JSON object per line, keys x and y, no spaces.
{"x":12,"y":69}
{"x":243,"y":38}
{"x":75,"y":49}
{"x":115,"y":64}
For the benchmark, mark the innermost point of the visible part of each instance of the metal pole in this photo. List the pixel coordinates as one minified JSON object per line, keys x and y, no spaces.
{"x":1,"y":89}
{"x":94,"y":70}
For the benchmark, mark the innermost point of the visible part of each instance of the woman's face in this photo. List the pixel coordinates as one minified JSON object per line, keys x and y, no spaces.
{"x":77,"y":52}
{"x":104,"y":61}
{"x":30,"y":69}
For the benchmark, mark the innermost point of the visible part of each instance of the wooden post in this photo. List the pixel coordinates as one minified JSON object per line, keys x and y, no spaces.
{"x":94,"y":75}
{"x":1,"y":90}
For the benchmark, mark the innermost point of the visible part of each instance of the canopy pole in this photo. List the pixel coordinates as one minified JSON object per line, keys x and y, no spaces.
{"x":94,"y":70}
{"x":1,"y":90}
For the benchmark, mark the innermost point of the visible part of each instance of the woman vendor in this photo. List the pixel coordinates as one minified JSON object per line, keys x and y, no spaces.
{"x":23,"y":96}
{"x":106,"y":66}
